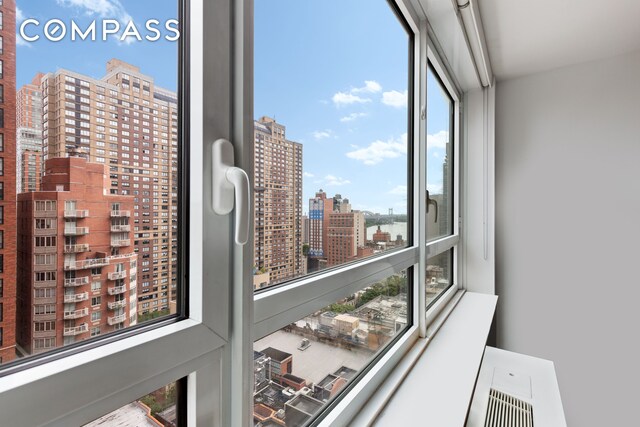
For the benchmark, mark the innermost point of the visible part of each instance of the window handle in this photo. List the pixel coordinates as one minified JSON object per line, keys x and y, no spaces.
{"x":230,"y":187}
{"x":433,"y":202}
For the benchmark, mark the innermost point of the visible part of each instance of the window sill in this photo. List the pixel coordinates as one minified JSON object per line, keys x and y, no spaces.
{"x":435,"y":380}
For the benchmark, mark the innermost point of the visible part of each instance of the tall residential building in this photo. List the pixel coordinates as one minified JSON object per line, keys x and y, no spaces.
{"x":346,"y":233}
{"x":277,"y":202}
{"x":7,"y":180}
{"x":29,"y":135}
{"x":130,"y":125}
{"x":320,"y":207}
{"x":77,"y":265}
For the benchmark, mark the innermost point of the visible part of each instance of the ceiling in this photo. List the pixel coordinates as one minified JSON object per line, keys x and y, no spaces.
{"x":529,"y":36}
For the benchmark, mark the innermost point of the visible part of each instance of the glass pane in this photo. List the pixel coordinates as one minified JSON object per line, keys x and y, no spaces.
{"x":301,"y":367}
{"x":90,"y":170}
{"x":156,"y":409}
{"x":331,"y":105}
{"x":439,"y":275}
{"x":439,"y":159}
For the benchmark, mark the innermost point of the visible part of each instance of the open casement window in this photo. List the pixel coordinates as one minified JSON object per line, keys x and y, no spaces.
{"x":335,"y":284}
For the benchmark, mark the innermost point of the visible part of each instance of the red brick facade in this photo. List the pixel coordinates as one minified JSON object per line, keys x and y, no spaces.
{"x":8,"y":180}
{"x":77,"y":265}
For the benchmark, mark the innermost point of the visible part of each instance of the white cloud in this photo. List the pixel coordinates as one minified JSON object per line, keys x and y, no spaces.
{"x":370,"y":86}
{"x":335,"y":181}
{"x":400,"y":190}
{"x":395,"y":99}
{"x":438,"y":140}
{"x":353,"y":116}
{"x":112,"y":9}
{"x":353,"y":95}
{"x":377,"y":151}
{"x":19,"y":15}
{"x":22,"y":42}
{"x":322,"y":134}
{"x":343,"y":98}
{"x":435,"y":188}
{"x":308,"y":175}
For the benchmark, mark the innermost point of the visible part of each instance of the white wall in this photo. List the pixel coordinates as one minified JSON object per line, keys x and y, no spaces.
{"x":568,"y":231}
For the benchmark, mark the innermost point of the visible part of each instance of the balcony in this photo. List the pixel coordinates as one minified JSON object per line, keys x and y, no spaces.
{"x":77,"y":231}
{"x":76,"y":297}
{"x":76,"y":249}
{"x":78,"y":281}
{"x":120,"y":228}
{"x":77,"y":314}
{"x":76,"y":214}
{"x":117,"y":275}
{"x":117,"y":290}
{"x":86,"y":263}
{"x":120,"y":243}
{"x":120,"y":214}
{"x":70,"y":332}
{"x":117,"y":304}
{"x":116,"y":319}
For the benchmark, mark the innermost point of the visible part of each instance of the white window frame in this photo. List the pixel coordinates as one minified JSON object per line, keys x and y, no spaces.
{"x":213,"y":347}
{"x":159,"y":354}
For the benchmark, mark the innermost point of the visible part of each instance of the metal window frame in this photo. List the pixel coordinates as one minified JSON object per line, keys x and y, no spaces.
{"x":197,"y":342}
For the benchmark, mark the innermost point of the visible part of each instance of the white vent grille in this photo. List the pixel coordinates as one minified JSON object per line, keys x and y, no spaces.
{"x":507,"y":411}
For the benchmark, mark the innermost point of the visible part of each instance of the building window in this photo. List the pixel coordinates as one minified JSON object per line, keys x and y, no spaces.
{"x":1,"y":44}
{"x":1,"y":93}
{"x":95,"y":332}
{"x":1,"y":287}
{"x":1,"y":117}
{"x":1,"y":68}
{"x":1,"y":19}
{"x":1,"y":190}
{"x":96,"y":301}
{"x":1,"y":165}
{"x":1,"y":239}
{"x":1,"y":142}
{"x":95,"y":316}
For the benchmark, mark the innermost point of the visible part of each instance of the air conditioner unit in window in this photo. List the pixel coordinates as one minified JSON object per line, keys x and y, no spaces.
{"x":515,"y":390}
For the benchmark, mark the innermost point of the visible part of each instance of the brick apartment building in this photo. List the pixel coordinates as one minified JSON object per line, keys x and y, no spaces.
{"x":129,"y":124}
{"x":345,"y":234}
{"x":77,"y":266}
{"x":29,"y":135}
{"x":277,"y":202}
{"x":7,"y":181}
{"x":320,"y":207}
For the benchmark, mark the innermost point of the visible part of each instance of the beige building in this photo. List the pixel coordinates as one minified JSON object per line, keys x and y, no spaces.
{"x":126,"y":122}
{"x":278,"y":202}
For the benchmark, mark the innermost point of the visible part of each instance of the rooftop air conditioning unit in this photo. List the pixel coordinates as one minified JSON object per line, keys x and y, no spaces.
{"x":514,"y":390}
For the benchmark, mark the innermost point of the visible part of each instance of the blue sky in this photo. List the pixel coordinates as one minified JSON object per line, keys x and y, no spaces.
{"x":335,"y":73}
{"x":158,"y":59}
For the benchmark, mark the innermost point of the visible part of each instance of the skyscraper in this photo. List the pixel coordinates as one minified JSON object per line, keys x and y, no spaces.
{"x":125,"y":122}
{"x":277,"y":202}
{"x":29,"y":135}
{"x":7,"y":181}
{"x":320,"y":207}
{"x":77,"y":266}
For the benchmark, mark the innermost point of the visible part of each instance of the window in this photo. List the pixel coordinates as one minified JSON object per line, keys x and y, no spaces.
{"x":442,"y":229}
{"x":1,"y":90}
{"x":339,"y":189}
{"x":336,"y":260}
{"x":1,"y":117}
{"x":1,"y":142}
